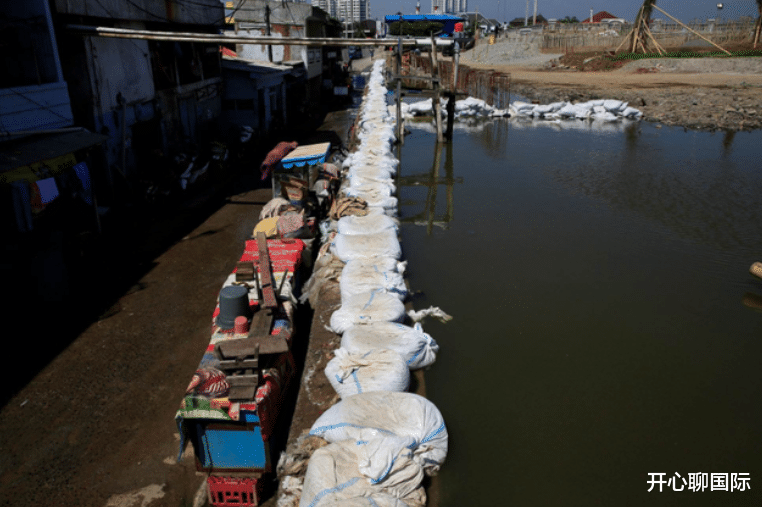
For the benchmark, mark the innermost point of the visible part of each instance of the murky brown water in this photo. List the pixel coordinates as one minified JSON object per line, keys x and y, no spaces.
{"x":603,"y":327}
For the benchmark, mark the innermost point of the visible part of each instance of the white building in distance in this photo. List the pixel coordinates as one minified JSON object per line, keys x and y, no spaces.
{"x":449,"y":6}
{"x":345,"y":10}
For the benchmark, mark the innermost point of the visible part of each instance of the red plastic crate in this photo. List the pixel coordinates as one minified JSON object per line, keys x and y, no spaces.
{"x":234,"y":491}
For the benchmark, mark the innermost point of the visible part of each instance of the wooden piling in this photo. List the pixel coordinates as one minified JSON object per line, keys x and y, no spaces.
{"x":437,"y":90}
{"x":398,"y":72}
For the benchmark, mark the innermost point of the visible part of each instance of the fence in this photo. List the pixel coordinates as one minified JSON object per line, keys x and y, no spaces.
{"x":569,"y":37}
{"x":491,"y":86}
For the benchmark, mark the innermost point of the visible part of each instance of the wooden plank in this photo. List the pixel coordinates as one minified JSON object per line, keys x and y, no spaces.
{"x":251,"y":379}
{"x":266,"y":274}
{"x":261,"y":323}
{"x":238,"y":364}
{"x":243,"y":347}
{"x":242,"y":393}
{"x":244,"y":271}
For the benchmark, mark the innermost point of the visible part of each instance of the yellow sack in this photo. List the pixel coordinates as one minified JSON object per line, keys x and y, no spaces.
{"x":269,"y":226}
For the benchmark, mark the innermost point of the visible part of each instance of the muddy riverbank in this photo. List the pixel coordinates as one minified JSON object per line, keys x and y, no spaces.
{"x":696,"y":93}
{"x":730,"y":107}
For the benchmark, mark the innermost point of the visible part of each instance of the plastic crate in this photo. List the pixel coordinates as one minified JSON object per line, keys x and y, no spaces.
{"x":234,"y":491}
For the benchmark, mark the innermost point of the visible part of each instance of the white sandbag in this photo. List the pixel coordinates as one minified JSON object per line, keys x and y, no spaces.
{"x":378,"y":499}
{"x":382,"y":244}
{"x":369,"y":190}
{"x":363,"y":277}
{"x":334,"y":476}
{"x":543,"y":109}
{"x":367,"y":308}
{"x":369,"y":224}
{"x":606,"y":116}
{"x":632,"y":113}
{"x":614,"y":106}
{"x":567,"y":111}
{"x":382,"y":264}
{"x":417,"y":347}
{"x":421,"y":107}
{"x":389,"y":414}
{"x":376,"y":370}
{"x":583,"y":111}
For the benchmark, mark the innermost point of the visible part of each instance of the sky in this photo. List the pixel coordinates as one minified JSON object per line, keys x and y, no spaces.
{"x":506,"y":10}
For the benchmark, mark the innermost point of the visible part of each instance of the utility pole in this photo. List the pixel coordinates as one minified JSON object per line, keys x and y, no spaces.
{"x":534,"y":17}
{"x":267,"y":32}
{"x":526,"y":15}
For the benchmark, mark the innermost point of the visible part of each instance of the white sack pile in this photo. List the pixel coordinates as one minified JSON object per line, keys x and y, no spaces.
{"x":606,"y":110}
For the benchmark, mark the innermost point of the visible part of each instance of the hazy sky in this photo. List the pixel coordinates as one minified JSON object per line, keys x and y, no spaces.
{"x":506,"y":10}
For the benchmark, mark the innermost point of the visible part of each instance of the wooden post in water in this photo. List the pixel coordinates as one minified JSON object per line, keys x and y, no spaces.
{"x":452,"y":96}
{"x":398,"y":73}
{"x":437,"y":90}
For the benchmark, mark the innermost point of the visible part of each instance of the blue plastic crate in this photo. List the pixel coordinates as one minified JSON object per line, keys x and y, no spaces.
{"x":231,"y":446}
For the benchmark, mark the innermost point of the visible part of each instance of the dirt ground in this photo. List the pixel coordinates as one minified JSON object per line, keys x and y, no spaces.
{"x":95,"y":426}
{"x":696,"y":93}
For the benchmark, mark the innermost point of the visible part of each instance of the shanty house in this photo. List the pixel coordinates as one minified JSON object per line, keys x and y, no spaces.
{"x":154,"y":99}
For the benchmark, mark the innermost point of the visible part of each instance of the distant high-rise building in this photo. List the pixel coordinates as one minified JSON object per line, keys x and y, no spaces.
{"x":353,"y":10}
{"x":329,"y":6}
{"x":449,"y":6}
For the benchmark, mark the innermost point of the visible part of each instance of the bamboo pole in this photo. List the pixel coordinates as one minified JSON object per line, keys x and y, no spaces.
{"x":437,"y":91}
{"x":636,"y":30}
{"x":126,"y":33}
{"x":691,"y":29}
{"x":626,"y":38}
{"x":659,"y":49}
{"x":398,"y":67}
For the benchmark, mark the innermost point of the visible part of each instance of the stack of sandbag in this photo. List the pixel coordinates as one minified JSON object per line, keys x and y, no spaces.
{"x":470,"y":107}
{"x":382,"y":440}
{"x":379,"y":443}
{"x":601,"y":109}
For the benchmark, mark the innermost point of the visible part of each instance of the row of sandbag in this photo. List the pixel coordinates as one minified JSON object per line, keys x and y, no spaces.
{"x":600,"y":109}
{"x":469,"y":107}
{"x":382,"y":439}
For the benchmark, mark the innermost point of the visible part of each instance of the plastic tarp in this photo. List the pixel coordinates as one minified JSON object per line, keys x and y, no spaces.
{"x":417,"y":347}
{"x":375,"y":370}
{"x":367,"y":308}
{"x":406,"y":419}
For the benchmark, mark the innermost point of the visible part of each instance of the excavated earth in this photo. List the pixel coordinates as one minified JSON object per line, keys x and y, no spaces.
{"x":696,"y":93}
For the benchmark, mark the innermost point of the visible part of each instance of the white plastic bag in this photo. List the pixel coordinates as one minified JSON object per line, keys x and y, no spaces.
{"x":367,"y":307}
{"x":417,"y":347}
{"x":388,"y":414}
{"x":375,"y":370}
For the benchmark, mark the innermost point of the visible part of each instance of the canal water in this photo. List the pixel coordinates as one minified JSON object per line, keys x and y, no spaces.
{"x":604,"y":317}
